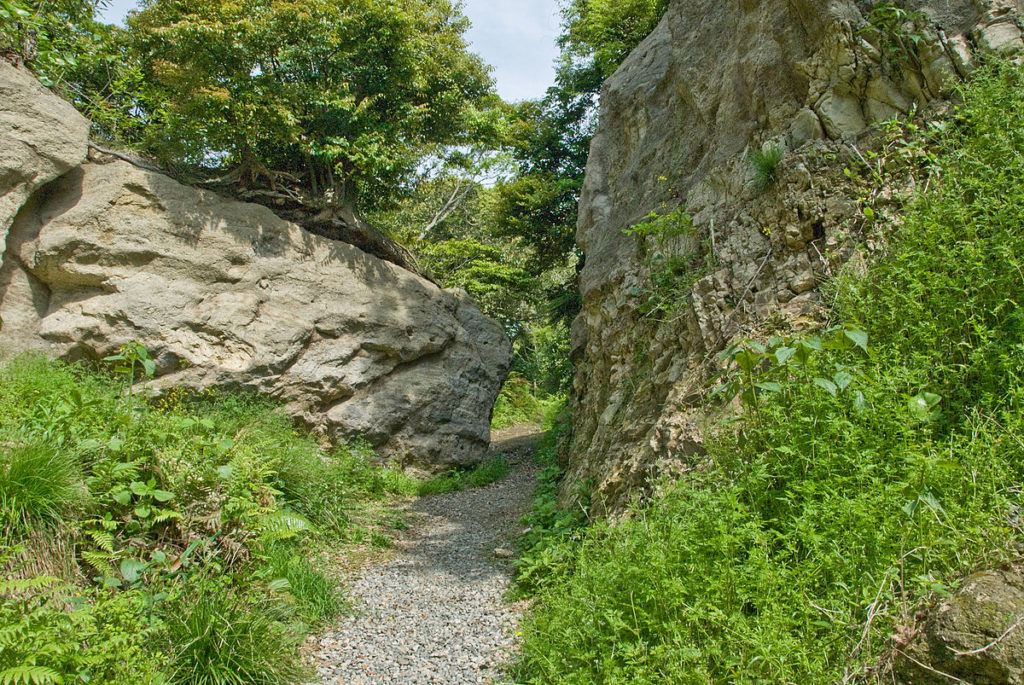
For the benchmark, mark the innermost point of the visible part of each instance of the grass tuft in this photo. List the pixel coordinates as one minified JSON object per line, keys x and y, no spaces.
{"x":765,"y":163}
{"x":316,"y":595}
{"x":220,"y":638}
{"x":39,"y":486}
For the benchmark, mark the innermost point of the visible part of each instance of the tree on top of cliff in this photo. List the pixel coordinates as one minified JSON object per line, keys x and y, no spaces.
{"x":316,"y":102}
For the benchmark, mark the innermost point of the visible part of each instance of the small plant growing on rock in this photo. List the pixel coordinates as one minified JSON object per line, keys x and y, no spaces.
{"x":765,"y":162}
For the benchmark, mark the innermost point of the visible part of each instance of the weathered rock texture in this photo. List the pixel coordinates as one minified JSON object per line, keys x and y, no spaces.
{"x":226,"y":294}
{"x":43,"y":138}
{"x":678,"y":121}
{"x":976,"y":637}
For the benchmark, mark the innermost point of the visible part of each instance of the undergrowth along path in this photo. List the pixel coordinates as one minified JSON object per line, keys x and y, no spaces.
{"x":436,"y":611}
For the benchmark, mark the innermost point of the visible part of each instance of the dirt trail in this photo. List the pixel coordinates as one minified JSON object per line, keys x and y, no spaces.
{"x":436,"y":612}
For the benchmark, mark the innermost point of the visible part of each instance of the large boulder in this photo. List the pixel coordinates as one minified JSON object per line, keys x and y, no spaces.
{"x":226,"y":294}
{"x":678,"y":124}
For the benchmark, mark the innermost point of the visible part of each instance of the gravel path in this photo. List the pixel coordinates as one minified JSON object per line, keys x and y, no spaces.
{"x":436,"y":612}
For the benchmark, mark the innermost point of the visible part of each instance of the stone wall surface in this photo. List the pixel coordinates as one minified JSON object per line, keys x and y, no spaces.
{"x":678,"y":123}
{"x":226,"y":294}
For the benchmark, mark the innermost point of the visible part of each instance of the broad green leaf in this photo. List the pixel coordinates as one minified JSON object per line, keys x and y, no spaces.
{"x":910,"y":508}
{"x":130,"y":570}
{"x":770,"y":386}
{"x":747,"y":360}
{"x":858,"y":338}
{"x":813,"y":343}
{"x":827,"y":385}
{"x":842,"y":380}
{"x":784,"y":354}
{"x":162,"y":495}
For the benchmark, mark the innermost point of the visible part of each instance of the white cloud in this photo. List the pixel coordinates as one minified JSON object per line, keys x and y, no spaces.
{"x":516,"y":37}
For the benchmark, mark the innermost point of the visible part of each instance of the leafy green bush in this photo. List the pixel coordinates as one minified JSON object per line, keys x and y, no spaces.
{"x":102,"y":638}
{"x":856,"y":487}
{"x":477,"y":477}
{"x":520,"y":403}
{"x":400,"y":483}
{"x":55,"y":33}
{"x":155,"y":497}
{"x":546,"y":549}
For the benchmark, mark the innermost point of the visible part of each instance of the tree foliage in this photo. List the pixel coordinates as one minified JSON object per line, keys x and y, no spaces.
{"x":50,"y":34}
{"x":551,"y":138}
{"x":337,"y":97}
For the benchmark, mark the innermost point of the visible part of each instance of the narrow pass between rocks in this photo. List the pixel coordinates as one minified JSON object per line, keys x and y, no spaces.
{"x":437,"y":612}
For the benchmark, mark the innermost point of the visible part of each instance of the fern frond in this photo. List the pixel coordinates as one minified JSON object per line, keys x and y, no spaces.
{"x":165,"y":515}
{"x":100,"y":561}
{"x":103,"y":539}
{"x":26,"y":584}
{"x":30,"y":675}
{"x":282,"y":525}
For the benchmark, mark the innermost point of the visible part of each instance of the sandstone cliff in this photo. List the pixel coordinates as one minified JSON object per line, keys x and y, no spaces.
{"x":678,"y":124}
{"x":226,"y":294}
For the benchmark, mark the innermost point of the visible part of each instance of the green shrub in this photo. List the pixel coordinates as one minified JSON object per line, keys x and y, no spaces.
{"x":400,"y":483}
{"x":220,"y":637}
{"x":546,"y":549}
{"x":325,"y":484}
{"x":477,"y":477}
{"x":156,"y":496}
{"x":102,"y":638}
{"x":856,"y":487}
{"x":517,"y":403}
{"x":39,"y":486}
{"x":521,"y":403}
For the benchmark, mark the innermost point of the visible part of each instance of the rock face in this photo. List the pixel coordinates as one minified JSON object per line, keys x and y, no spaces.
{"x":226,"y":294}
{"x":43,"y":139}
{"x":678,"y":123}
{"x":976,"y":637}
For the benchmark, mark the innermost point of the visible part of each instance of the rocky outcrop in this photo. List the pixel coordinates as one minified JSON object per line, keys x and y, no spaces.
{"x":679,"y":122}
{"x":226,"y":294}
{"x":976,"y":637}
{"x":43,"y":138}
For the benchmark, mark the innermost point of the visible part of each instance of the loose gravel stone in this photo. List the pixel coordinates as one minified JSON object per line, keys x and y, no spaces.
{"x":436,"y":612}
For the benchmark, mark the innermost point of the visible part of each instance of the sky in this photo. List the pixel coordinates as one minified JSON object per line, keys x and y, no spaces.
{"x":516,"y":37}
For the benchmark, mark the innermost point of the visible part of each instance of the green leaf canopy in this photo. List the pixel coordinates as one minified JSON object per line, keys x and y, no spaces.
{"x":330,"y":96}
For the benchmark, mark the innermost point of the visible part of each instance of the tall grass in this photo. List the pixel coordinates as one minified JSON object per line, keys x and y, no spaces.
{"x":316,"y":595}
{"x":39,"y":486}
{"x":835,"y":510}
{"x":221,"y":638}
